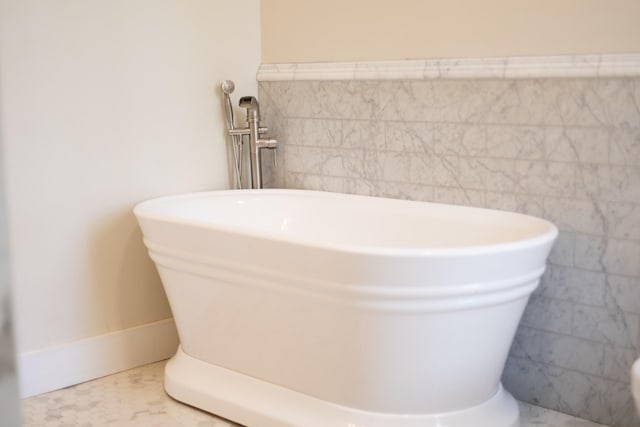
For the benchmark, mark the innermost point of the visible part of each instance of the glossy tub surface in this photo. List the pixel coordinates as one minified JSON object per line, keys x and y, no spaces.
{"x":303,"y":308}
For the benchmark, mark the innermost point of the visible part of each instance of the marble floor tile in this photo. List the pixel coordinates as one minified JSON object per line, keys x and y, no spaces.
{"x":136,"y":398}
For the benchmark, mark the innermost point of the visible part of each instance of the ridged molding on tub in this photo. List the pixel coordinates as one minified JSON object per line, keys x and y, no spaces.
{"x":570,"y":66}
{"x":302,"y":308}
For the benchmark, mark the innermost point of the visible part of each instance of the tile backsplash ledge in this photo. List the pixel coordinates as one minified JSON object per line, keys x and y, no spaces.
{"x":570,"y":66}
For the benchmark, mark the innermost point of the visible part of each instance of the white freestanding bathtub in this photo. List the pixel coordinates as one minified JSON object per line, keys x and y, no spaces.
{"x":312,"y":309}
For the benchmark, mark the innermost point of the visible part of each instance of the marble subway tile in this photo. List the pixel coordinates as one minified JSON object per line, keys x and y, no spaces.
{"x":621,"y":107}
{"x":362,"y":187}
{"x":571,"y":392}
{"x":532,"y":381}
{"x":610,"y":402}
{"x":573,"y":353}
{"x":358,"y":100}
{"x":446,"y":171}
{"x":586,"y":216}
{"x":491,"y":174}
{"x":623,"y":220}
{"x":516,"y":142}
{"x":268,"y":95}
{"x":522,"y":203}
{"x":613,"y":256}
{"x":608,"y":326}
{"x":405,"y":100}
{"x":527,"y":344}
{"x":589,"y":252}
{"x":617,"y":363}
{"x":625,"y":146}
{"x":409,"y":137}
{"x":611,"y":183}
{"x":354,"y":163}
{"x":623,"y":293}
{"x":520,"y":102}
{"x":314,"y":182}
{"x":293,"y":159}
{"x":545,"y":178}
{"x":563,"y":250}
{"x":600,"y":400}
{"x":460,"y":139}
{"x":396,"y":166}
{"x":548,"y":314}
{"x":360,"y":134}
{"x":444,"y":101}
{"x":588,"y":145}
{"x":294,"y":180}
{"x":407,"y":191}
{"x":575,"y":285}
{"x":373,"y":165}
{"x":422,"y":169}
{"x":571,"y":103}
{"x":323,"y":183}
{"x":621,"y":257}
{"x":469,"y":101}
{"x":459,"y":196}
{"x":322,"y":133}
{"x":314,"y":160}
{"x":288,"y":98}
{"x":291,"y":134}
{"x":335,"y":100}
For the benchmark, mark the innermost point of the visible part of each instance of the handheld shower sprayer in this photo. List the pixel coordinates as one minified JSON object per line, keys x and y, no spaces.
{"x":227,"y":87}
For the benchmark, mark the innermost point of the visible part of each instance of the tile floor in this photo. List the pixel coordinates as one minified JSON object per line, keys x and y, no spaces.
{"x":136,"y":398}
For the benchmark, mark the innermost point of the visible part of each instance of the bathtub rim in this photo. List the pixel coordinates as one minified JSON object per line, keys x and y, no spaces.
{"x":143,"y":211}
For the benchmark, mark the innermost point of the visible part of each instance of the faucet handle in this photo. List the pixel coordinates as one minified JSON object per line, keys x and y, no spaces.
{"x":272,"y":145}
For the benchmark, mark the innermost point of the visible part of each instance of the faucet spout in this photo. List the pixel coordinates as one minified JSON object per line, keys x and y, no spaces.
{"x":252,"y":106}
{"x":256,"y":139}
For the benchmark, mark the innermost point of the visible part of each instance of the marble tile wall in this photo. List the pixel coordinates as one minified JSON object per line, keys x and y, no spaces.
{"x":564,"y":149}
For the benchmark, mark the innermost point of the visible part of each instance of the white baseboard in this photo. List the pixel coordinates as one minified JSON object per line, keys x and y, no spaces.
{"x":57,"y":367}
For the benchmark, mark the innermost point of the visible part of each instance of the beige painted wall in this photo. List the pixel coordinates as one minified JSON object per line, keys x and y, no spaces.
{"x":105,"y":104}
{"x":338,"y":30}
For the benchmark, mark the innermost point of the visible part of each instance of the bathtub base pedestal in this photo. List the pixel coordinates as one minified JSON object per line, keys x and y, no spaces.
{"x":253,"y":402}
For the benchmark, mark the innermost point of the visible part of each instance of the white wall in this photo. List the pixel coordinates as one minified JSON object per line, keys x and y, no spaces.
{"x":338,"y":30}
{"x":106,"y":103}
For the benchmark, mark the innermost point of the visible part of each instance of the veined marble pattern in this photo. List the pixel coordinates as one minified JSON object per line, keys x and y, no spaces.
{"x":136,"y":398}
{"x":616,"y":65}
{"x":131,"y":398}
{"x":564,"y":149}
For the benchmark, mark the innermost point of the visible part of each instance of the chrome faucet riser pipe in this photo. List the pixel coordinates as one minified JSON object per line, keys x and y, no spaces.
{"x":256,"y":141}
{"x":256,"y":170}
